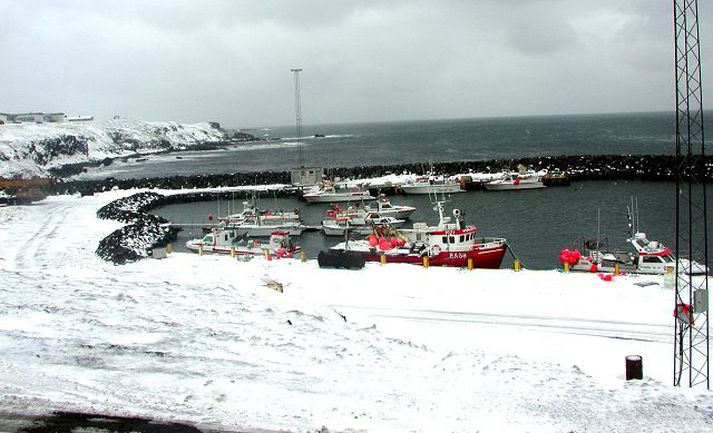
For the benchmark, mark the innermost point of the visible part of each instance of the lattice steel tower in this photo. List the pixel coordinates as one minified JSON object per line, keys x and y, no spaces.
{"x":691,"y":345}
{"x":298,"y":111}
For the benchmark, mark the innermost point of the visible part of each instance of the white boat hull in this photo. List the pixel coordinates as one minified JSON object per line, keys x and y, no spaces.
{"x":399,"y":214}
{"x":507,"y":186}
{"x":266,"y":230}
{"x":332,"y":198}
{"x":431,"y":189}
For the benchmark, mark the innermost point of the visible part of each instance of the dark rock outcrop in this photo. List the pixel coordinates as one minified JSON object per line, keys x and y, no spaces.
{"x":144,"y":232}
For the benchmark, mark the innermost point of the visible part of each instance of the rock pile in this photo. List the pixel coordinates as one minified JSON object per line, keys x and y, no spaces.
{"x":144,"y":232}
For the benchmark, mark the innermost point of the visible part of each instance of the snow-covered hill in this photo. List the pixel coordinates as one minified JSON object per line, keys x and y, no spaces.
{"x":32,"y":149}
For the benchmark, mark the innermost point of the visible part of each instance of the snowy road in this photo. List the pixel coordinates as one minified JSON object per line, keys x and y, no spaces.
{"x":204,"y":340}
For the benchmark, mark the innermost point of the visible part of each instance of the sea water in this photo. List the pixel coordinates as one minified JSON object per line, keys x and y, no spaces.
{"x":425,"y":142}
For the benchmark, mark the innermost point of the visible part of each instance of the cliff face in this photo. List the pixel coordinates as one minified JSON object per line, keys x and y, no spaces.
{"x":28,"y":150}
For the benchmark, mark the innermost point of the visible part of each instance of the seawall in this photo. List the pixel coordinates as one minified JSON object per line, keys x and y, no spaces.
{"x":580,"y":167}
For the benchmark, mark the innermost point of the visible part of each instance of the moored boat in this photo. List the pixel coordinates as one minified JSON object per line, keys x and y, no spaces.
{"x":475,"y":181}
{"x":450,"y":243}
{"x":255,"y":222}
{"x":431,"y":185}
{"x":523,"y":179}
{"x":227,"y":241}
{"x":328,"y":192}
{"x":251,"y":213}
{"x":556,"y":178}
{"x":384,"y":207}
{"x":363,"y":224}
{"x":647,"y":257}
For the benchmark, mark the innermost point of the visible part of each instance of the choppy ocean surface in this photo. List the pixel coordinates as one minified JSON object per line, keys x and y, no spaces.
{"x":356,"y":144}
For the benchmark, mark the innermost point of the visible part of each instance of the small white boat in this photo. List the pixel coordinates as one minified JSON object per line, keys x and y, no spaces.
{"x":432,"y":185}
{"x":648,"y":257}
{"x":328,"y":192}
{"x":227,"y":241}
{"x":384,"y":207}
{"x":255,"y":222}
{"x":251,"y":213}
{"x":264,"y":229}
{"x":524,"y":179}
{"x":363,"y":224}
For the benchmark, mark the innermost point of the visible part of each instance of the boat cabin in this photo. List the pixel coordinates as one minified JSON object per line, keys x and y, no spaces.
{"x":653,"y":256}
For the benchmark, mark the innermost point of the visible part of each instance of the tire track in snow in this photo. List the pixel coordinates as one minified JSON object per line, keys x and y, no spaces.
{"x":647,"y":332}
{"x":34,"y":250}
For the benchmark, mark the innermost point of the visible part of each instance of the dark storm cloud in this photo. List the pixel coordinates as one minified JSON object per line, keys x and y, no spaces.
{"x":376,"y":60}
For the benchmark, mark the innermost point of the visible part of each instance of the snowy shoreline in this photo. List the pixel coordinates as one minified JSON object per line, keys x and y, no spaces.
{"x":28,"y":150}
{"x":205,"y":340}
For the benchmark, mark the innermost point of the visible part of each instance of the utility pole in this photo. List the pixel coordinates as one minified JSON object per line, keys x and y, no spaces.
{"x":298,"y":111}
{"x":691,"y":342}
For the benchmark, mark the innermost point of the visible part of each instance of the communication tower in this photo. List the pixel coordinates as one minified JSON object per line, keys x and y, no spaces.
{"x":302,"y":176}
{"x":298,"y":111}
{"x":691,"y":343}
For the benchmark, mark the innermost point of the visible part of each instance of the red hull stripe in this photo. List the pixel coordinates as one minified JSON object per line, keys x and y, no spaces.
{"x":484,"y":259}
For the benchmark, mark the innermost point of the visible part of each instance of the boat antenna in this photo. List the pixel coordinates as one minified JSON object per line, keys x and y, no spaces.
{"x":599,"y":211}
{"x":633,"y":214}
{"x":298,"y":112}
{"x":636,"y":212}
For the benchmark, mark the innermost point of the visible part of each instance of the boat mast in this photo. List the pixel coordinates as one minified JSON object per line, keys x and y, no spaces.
{"x":599,"y":211}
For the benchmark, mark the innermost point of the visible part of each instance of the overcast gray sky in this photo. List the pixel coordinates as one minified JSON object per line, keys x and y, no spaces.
{"x":230,"y":61}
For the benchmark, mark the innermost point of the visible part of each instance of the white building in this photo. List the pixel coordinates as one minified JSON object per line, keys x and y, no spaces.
{"x":305,"y":176}
{"x":33,"y":117}
{"x":79,"y":118}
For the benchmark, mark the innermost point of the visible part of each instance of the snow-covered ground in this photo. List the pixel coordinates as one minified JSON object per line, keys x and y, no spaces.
{"x":30,"y":149}
{"x":388,"y":348}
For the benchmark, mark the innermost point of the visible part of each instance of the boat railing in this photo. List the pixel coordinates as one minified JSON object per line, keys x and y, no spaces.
{"x":490,"y":241}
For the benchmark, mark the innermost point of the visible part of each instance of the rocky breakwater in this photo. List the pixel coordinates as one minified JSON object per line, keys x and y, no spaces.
{"x":279,"y":179}
{"x":577,"y":167}
{"x":143,"y":232}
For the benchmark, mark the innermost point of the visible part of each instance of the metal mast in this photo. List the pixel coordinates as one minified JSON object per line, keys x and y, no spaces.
{"x":691,"y":343}
{"x":298,"y":111}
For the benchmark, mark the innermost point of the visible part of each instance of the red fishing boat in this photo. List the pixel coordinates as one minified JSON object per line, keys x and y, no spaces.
{"x":450,"y":243}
